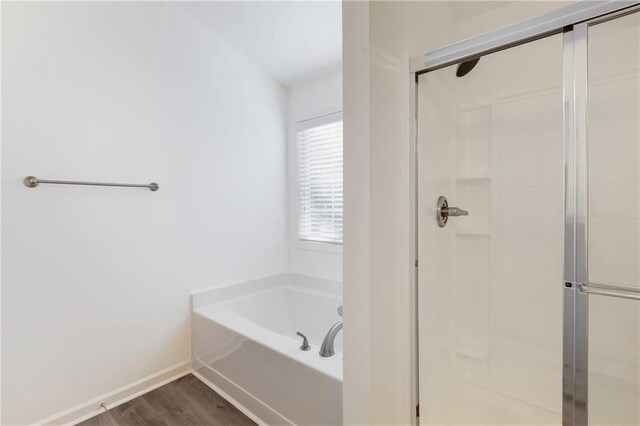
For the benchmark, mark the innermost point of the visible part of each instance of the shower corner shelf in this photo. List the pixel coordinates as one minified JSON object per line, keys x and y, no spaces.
{"x":472,"y":351}
{"x":473,"y":176}
{"x":473,"y":230}
{"x":474,"y":106}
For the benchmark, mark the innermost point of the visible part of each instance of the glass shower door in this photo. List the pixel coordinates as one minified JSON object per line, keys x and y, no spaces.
{"x":490,"y":282}
{"x":613,"y":174}
{"x":529,"y":232}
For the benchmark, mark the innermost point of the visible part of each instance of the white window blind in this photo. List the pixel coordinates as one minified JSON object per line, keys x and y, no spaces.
{"x":320,"y":183}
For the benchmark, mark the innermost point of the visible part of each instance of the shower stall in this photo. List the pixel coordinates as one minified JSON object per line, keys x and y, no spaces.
{"x":528,"y":290}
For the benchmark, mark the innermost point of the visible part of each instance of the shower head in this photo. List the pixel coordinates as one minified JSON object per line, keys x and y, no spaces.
{"x":465,"y":68}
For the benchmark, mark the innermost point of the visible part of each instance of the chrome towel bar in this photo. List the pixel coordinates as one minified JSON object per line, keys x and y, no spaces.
{"x":32,"y":182}
{"x":611,"y":290}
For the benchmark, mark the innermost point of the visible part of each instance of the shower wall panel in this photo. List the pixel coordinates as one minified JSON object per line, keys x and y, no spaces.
{"x":490,"y":290}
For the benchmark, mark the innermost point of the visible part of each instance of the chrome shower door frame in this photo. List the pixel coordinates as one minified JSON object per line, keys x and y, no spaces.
{"x":575,"y":312}
{"x":573,"y":21}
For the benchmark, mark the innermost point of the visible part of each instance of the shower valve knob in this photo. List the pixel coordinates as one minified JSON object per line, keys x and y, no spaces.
{"x":455,"y":211}
{"x":443,"y":211}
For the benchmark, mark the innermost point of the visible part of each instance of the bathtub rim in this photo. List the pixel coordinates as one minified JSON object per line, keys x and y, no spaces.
{"x":210,"y":294}
{"x":224,"y":315}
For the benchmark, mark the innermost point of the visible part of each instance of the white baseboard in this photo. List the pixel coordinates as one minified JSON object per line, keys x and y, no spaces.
{"x":118,"y":396}
{"x":229,"y":399}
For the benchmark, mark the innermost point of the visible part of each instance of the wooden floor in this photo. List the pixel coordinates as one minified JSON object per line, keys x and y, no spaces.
{"x":186,"y":401}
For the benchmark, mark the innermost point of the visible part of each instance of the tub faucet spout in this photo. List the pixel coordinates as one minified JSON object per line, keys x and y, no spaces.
{"x":326,"y":350}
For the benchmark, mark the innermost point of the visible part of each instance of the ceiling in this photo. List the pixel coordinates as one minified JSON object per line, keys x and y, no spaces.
{"x":291,"y":41}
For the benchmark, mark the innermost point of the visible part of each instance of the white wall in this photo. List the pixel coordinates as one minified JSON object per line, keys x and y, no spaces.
{"x":356,"y":293}
{"x":314,"y":98}
{"x":379,"y":40}
{"x":95,"y":281}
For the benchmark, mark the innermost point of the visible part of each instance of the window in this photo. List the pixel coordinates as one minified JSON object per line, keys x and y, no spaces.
{"x":320,"y":180}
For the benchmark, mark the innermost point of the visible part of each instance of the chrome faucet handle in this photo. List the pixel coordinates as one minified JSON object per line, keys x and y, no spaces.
{"x":340,"y":310}
{"x":305,"y":343}
{"x":444,"y":211}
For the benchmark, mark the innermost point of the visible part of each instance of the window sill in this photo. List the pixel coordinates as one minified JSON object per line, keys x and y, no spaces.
{"x":318,"y":246}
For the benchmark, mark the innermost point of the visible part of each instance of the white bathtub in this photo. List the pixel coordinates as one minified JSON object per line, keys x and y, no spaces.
{"x":245,"y":346}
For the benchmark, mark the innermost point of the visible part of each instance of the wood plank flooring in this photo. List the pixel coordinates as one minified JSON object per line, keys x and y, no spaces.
{"x":186,"y":401}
